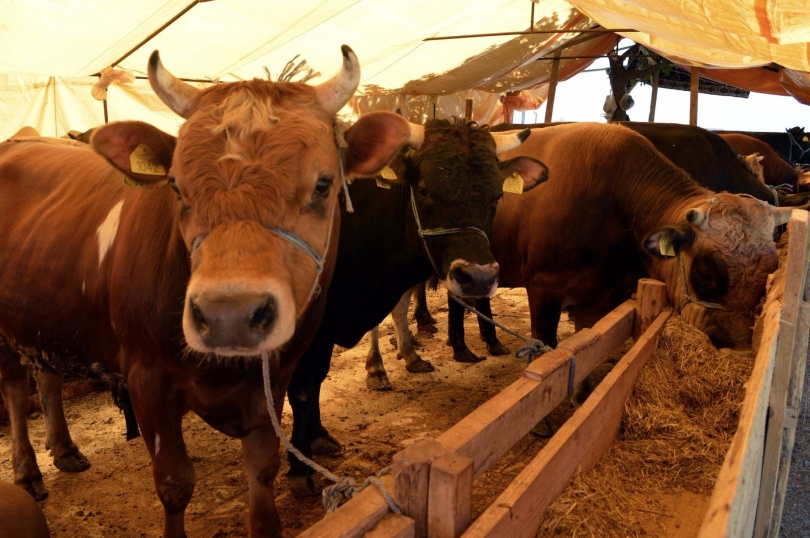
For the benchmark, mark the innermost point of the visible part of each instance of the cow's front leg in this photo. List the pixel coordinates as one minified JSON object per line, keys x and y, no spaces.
{"x":487,"y":329}
{"x":405,"y":347}
{"x":14,"y":387}
{"x":260,"y":449}
{"x":455,"y":333}
{"x":425,"y":323}
{"x":376,"y":377}
{"x":66,"y":456}
{"x":159,"y":408}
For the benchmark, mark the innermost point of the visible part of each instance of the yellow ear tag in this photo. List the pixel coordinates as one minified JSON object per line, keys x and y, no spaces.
{"x":382,"y":184}
{"x":513,"y":183}
{"x":805,"y":139}
{"x":665,"y":247}
{"x":144,"y":161}
{"x":388,"y":173}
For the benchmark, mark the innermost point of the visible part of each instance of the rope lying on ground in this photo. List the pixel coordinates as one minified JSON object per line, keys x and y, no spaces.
{"x":344,"y":488}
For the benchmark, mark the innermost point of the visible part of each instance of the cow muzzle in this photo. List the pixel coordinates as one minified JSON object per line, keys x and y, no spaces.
{"x":466,"y":279}
{"x":247,"y":321}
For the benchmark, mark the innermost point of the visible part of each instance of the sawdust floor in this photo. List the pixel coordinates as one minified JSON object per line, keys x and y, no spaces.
{"x":116,"y":497}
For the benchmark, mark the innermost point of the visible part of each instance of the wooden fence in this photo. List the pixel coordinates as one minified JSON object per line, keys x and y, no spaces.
{"x":432,"y":481}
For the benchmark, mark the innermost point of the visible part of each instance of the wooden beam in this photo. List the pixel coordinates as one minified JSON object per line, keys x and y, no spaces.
{"x":450,"y":498}
{"x":494,"y":427}
{"x":654,"y":99}
{"x":578,"y":445}
{"x":694,"y":85}
{"x":786,"y":366}
{"x":411,"y":470}
{"x":392,"y":526}
{"x":529,"y":32}
{"x":355,"y":517}
{"x":552,"y":88}
{"x":651,"y":296}
{"x":732,"y":506}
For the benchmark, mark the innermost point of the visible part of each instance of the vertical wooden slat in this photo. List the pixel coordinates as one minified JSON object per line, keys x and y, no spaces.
{"x":411,"y":470}
{"x":654,"y":99}
{"x":450,"y":499}
{"x":651,"y":297}
{"x":693,"y":96}
{"x":552,"y":88}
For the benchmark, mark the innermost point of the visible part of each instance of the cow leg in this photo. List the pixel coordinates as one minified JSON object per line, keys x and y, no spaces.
{"x":425,"y":323}
{"x":120,"y":395}
{"x":455,"y":333}
{"x":487,"y":329}
{"x":14,"y":388}
{"x":545,"y":317}
{"x":376,"y":378}
{"x":260,"y":449}
{"x":405,"y":348}
{"x":159,"y":408}
{"x":303,"y":394}
{"x":584,"y":388}
{"x":66,"y":456}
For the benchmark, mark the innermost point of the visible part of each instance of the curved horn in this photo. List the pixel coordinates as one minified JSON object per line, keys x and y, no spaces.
{"x":175,"y":93}
{"x":336,"y":92}
{"x":695,"y":216}
{"x":506,"y":141}
{"x":417,"y":137}
{"x":781,"y":215}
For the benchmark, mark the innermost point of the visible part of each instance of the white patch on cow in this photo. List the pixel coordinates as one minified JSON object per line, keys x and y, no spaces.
{"x":106,"y":232}
{"x":157,"y":444}
{"x":83,"y":286}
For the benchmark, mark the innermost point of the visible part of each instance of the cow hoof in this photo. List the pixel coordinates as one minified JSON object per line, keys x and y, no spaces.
{"x":427,"y":328}
{"x":378,"y":381}
{"x":35,"y":488}
{"x":419,"y":366}
{"x":546,"y":428}
{"x":497,"y":348}
{"x":305,"y":486}
{"x":325,"y":444}
{"x":73,"y":462}
{"x":467,"y":356}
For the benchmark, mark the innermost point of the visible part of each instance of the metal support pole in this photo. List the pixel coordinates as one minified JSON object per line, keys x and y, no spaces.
{"x":468,"y":109}
{"x":552,"y":89}
{"x":654,"y":99}
{"x":694,"y":83}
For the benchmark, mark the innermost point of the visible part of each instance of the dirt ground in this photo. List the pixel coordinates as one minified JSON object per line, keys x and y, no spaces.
{"x":116,"y":497}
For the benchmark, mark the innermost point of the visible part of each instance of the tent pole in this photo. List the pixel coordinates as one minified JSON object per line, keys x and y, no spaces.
{"x":468,"y":109}
{"x":552,"y":89}
{"x":693,"y":97}
{"x":106,"y":118}
{"x":654,"y":99}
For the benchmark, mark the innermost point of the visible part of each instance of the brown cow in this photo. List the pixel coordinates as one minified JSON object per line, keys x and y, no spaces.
{"x":776,"y":170}
{"x":20,"y":515}
{"x":614,"y":210}
{"x":217,"y":256}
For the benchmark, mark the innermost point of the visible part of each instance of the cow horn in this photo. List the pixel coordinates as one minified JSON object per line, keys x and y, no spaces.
{"x":695,"y":216}
{"x":507,"y":141}
{"x":781,"y":215}
{"x":417,"y":137}
{"x":336,"y":92}
{"x":175,"y":93}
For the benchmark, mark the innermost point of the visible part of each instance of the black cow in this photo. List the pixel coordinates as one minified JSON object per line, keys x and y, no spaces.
{"x":453,"y":181}
{"x":793,"y":145}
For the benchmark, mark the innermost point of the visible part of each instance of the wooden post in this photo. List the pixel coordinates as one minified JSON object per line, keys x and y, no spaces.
{"x":468,"y":110}
{"x":552,"y":88}
{"x":450,"y":499}
{"x":651,"y":296}
{"x":694,"y":83}
{"x":411,"y":469}
{"x":654,"y":99}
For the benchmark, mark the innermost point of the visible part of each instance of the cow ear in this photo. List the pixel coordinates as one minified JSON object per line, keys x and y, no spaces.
{"x":669,"y":240}
{"x":373,"y":141}
{"x":142,"y":152}
{"x":531,"y":170}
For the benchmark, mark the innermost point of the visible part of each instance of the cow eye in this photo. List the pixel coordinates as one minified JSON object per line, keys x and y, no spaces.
{"x":497,"y":197}
{"x":423,"y":192}
{"x":174,"y":187}
{"x":323,"y":185}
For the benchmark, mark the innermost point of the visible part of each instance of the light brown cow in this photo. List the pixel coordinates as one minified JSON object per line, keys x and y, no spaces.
{"x":20,"y":515}
{"x":217,"y":256}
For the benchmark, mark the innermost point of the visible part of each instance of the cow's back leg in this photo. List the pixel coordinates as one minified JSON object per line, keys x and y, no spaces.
{"x":487,"y":329}
{"x":376,"y":377}
{"x":66,"y":456}
{"x":14,"y":388}
{"x":425,"y":323}
{"x":405,"y":347}
{"x":260,"y":450}
{"x":455,"y":333}
{"x":159,"y":408}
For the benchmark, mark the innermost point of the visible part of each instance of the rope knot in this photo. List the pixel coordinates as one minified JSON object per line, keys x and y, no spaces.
{"x":532,"y":350}
{"x":347,"y":487}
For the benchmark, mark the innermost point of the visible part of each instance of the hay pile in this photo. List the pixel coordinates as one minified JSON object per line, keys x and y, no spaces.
{"x":677,"y":428}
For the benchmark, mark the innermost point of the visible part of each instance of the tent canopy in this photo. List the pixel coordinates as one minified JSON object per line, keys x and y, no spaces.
{"x":53,"y":48}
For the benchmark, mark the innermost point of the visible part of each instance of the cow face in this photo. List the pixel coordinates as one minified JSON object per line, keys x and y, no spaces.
{"x":727,"y":251}
{"x":456,"y":182}
{"x":256,"y":172}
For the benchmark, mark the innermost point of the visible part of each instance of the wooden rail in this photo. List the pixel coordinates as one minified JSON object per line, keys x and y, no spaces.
{"x":432,"y":480}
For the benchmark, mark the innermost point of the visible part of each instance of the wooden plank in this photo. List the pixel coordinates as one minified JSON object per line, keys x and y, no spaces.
{"x":493,"y":428}
{"x":356,"y":516}
{"x":694,"y":82}
{"x":732,"y":506}
{"x":392,"y":526}
{"x":552,"y":88}
{"x":654,"y":98}
{"x":651,"y":296}
{"x":783,"y":369}
{"x":450,"y":498}
{"x":579,"y":444}
{"x":411,"y":470}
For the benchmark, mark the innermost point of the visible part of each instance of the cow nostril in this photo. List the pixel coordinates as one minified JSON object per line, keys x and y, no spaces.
{"x":264,"y":316}
{"x":461,"y":276}
{"x":199,"y":318}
